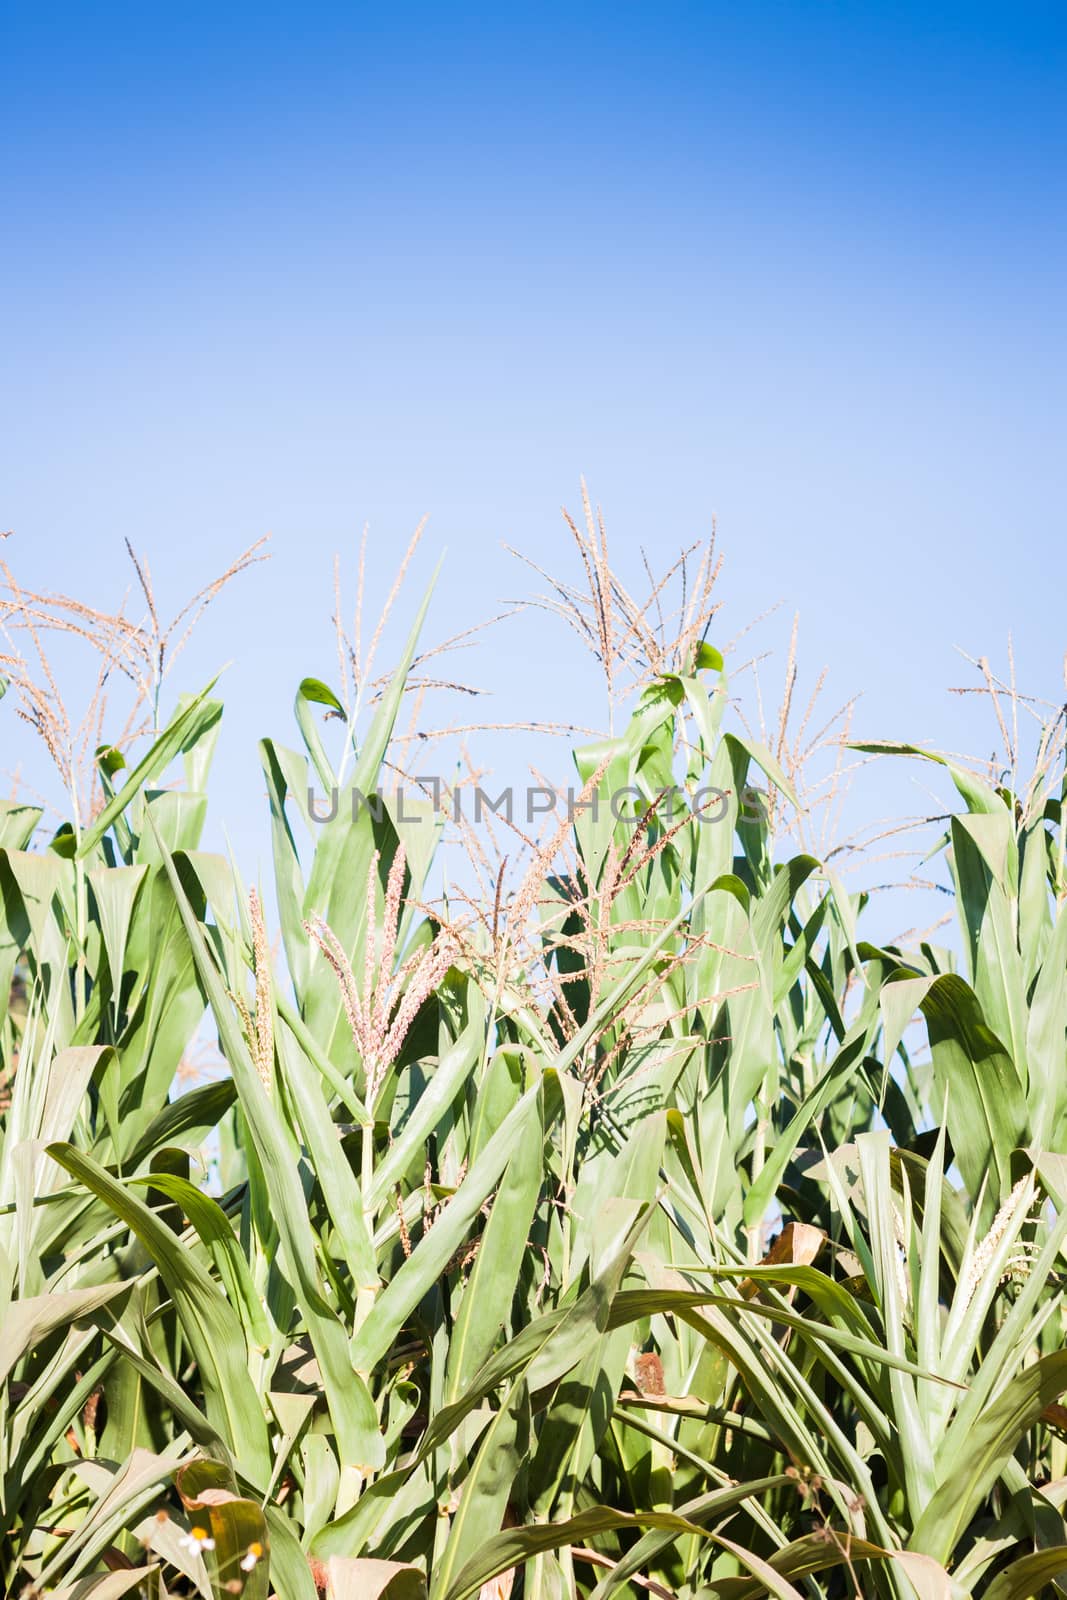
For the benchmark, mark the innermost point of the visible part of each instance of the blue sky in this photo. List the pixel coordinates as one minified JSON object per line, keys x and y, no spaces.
{"x":286,"y":269}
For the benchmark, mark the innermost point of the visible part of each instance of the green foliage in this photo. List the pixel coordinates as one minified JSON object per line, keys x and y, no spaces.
{"x":607,"y":1234}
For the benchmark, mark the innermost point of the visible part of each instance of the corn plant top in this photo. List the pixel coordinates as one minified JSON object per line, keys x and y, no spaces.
{"x":633,"y":1221}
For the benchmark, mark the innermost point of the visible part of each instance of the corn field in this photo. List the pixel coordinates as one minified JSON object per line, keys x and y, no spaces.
{"x":609,"y":1217}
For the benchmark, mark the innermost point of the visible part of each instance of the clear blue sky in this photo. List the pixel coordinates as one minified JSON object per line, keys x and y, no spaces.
{"x":286,"y":268}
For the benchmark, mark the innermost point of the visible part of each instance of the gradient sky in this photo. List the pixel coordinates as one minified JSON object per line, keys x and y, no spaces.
{"x":290,"y":268}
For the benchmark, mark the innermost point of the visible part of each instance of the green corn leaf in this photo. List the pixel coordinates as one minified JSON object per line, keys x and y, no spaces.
{"x":213,"y":1226}
{"x":1030,"y":1575}
{"x":238,"y":1530}
{"x":351,"y":1406}
{"x":27,"y":1323}
{"x":182,"y":731}
{"x":973,"y":1463}
{"x":209,"y":1323}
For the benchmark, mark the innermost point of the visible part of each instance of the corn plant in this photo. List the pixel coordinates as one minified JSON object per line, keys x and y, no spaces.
{"x":608,"y":1229}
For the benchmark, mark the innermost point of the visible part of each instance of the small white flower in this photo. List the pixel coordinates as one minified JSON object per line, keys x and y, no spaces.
{"x":251,"y":1556}
{"x":197,"y":1540}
